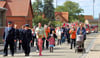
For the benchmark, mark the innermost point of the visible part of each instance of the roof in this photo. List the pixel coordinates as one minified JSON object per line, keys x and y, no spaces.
{"x":2,"y":3}
{"x":64,"y":15}
{"x":88,"y":17}
{"x":18,"y":7}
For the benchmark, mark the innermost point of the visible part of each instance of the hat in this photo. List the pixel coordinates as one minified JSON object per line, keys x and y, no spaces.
{"x":26,"y":25}
{"x":9,"y":22}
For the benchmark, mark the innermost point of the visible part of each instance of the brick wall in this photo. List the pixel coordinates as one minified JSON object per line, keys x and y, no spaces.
{"x":1,"y":34}
{"x":19,"y":20}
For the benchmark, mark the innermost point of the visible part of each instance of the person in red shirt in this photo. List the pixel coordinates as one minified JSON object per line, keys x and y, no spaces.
{"x":73,"y":36}
{"x":40,"y":43}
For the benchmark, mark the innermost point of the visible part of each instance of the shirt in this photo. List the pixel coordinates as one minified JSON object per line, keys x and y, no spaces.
{"x":40,"y":31}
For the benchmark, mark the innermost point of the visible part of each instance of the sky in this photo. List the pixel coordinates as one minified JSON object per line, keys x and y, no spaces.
{"x":87,"y":5}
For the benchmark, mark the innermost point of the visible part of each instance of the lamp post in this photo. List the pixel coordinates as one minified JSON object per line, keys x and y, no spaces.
{"x":93,"y":7}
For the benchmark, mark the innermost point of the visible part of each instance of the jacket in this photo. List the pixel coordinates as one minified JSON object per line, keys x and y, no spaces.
{"x":72,"y":34}
{"x":51,"y":41}
{"x":9,"y":34}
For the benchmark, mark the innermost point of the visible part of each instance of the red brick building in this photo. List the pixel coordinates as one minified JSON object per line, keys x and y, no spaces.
{"x":61,"y":16}
{"x":19,"y":11}
{"x":88,"y":17}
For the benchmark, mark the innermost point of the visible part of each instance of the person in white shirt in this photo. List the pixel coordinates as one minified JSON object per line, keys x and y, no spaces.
{"x":39,"y":31}
{"x":58,"y":33}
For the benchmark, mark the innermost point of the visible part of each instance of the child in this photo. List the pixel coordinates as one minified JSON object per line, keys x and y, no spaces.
{"x":40,"y":42}
{"x":51,"y":42}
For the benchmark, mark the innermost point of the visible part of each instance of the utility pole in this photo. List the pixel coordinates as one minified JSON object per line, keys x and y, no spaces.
{"x":99,"y":22}
{"x":93,"y":7}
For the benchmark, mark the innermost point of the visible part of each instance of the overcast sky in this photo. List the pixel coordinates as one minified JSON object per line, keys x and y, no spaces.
{"x":87,"y":5}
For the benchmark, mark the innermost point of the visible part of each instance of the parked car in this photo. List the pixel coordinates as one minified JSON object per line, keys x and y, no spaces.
{"x":94,"y":28}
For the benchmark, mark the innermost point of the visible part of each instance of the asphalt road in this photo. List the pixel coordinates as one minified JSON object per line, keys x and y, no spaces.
{"x":62,"y":51}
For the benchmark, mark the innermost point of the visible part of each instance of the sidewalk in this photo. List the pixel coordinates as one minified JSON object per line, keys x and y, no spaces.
{"x":1,"y":47}
{"x":95,"y":50}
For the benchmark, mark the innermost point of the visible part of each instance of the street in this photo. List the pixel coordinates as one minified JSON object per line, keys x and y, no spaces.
{"x":62,"y":51}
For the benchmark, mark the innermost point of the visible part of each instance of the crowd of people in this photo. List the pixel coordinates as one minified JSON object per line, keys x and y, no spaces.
{"x":44,"y":37}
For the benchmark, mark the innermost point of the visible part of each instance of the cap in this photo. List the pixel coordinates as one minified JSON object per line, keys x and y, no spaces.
{"x":26,"y":25}
{"x":9,"y":22}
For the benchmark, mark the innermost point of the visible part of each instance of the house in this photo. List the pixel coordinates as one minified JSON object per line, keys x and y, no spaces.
{"x":88,"y":19}
{"x":18,"y":11}
{"x":61,"y":16}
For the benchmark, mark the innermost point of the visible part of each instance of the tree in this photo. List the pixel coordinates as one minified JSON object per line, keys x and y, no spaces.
{"x":48,"y":9}
{"x":39,"y":19}
{"x":72,"y":8}
{"x":37,"y":7}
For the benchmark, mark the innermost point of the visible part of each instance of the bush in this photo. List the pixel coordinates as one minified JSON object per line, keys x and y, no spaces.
{"x":56,"y":23}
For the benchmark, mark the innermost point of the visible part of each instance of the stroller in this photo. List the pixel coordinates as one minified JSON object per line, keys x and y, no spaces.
{"x":79,"y":44}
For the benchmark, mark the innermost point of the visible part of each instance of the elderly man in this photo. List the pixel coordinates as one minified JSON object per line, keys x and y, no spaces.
{"x":27,"y":38}
{"x":9,"y":39}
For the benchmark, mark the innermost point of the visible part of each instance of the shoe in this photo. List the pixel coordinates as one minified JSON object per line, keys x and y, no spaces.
{"x":37,"y":51}
{"x":26,"y":54}
{"x":4,"y":55}
{"x":70,"y":48}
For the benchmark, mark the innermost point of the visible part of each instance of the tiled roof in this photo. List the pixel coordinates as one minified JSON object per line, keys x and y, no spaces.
{"x":64,"y":15}
{"x":2,"y":3}
{"x":89,"y":17}
{"x":18,"y":7}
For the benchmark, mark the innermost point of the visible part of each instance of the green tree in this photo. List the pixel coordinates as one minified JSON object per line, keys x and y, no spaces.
{"x":48,"y":9}
{"x":37,"y":12}
{"x":37,"y":7}
{"x":39,"y":19}
{"x":72,"y":8}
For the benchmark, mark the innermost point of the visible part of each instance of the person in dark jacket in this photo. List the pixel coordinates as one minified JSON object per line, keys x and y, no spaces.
{"x":68,"y":34}
{"x":20,"y":36}
{"x":63,"y":33}
{"x":16,"y":36}
{"x":9,"y":39}
{"x":26,"y":40}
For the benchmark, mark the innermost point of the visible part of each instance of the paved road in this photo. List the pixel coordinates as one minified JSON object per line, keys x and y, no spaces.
{"x":62,"y":51}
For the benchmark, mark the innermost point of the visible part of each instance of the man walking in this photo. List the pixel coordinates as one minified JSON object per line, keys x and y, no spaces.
{"x":9,"y":39}
{"x":27,"y":38}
